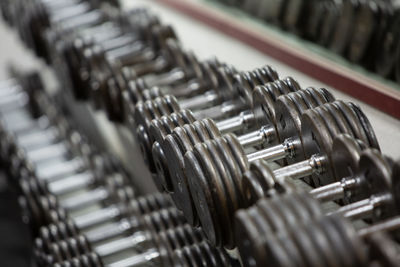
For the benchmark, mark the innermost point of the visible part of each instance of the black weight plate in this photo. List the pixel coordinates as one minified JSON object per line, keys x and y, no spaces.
{"x":244,"y":85}
{"x":366,"y":126}
{"x":210,"y":204}
{"x":318,"y":14}
{"x":237,"y":152}
{"x":304,"y":240}
{"x":250,"y":239}
{"x":330,"y":123}
{"x":288,"y":118}
{"x":340,"y":120}
{"x":345,"y":156}
{"x":235,"y":172}
{"x":356,"y":250}
{"x":344,"y":26}
{"x":295,"y":14}
{"x":280,"y":88}
{"x":199,"y":133}
{"x":338,"y":250}
{"x":174,"y":148}
{"x":308,"y":98}
{"x":292,"y":84}
{"x":272,"y":216}
{"x":312,"y":208}
{"x":316,"y":139}
{"x":327,"y":19}
{"x":352,"y":120}
{"x":321,"y":244}
{"x":385,"y":62}
{"x":211,"y":128}
{"x":320,"y":95}
{"x":377,"y":175}
{"x":227,"y":183}
{"x":264,"y":103}
{"x":257,"y":182}
{"x":159,"y":128}
{"x":365,"y":24}
{"x":266,"y":74}
{"x":292,"y":252}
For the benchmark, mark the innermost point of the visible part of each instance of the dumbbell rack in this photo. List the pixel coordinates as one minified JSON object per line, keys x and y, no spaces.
{"x":304,"y":56}
{"x":81,"y":109}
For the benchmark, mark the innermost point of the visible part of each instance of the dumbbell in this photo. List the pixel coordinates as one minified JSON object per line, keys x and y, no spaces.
{"x":166,"y":251}
{"x":99,"y":167}
{"x":182,"y":139}
{"x":371,"y":18}
{"x":73,"y":50}
{"x":106,"y":245}
{"x":43,"y":17}
{"x":82,"y":50}
{"x":385,"y":62}
{"x":185,"y":67}
{"x":341,"y":38}
{"x":241,"y":85}
{"x":369,"y":188}
{"x":260,"y":180}
{"x":290,"y":206}
{"x":116,"y":188}
{"x":205,"y":168}
{"x":38,"y":16}
{"x":214,"y":80}
{"x":335,"y":241}
{"x":106,"y":223}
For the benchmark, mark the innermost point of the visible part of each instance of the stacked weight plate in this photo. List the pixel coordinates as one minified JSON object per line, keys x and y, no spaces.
{"x":364,"y":32}
{"x":211,"y":136}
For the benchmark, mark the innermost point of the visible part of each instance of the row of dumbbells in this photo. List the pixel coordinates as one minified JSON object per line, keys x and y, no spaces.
{"x":203,"y":170}
{"x":85,"y":209}
{"x":364,"y":32}
{"x":286,"y":224}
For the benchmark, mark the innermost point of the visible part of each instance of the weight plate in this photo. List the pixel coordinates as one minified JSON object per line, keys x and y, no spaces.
{"x":345,"y":156}
{"x":385,"y":62}
{"x":321,"y":244}
{"x":272,"y":216}
{"x":209,"y":204}
{"x":316,"y":139}
{"x":264,"y":104}
{"x":237,"y":152}
{"x":234,"y":170}
{"x":366,"y":126}
{"x":251,"y":239}
{"x":377,"y":175}
{"x":174,"y":148}
{"x":356,"y":251}
{"x":344,"y":26}
{"x":227,"y":183}
{"x":288,"y":118}
{"x":352,"y":120}
{"x":340,"y":120}
{"x":257,"y":182}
